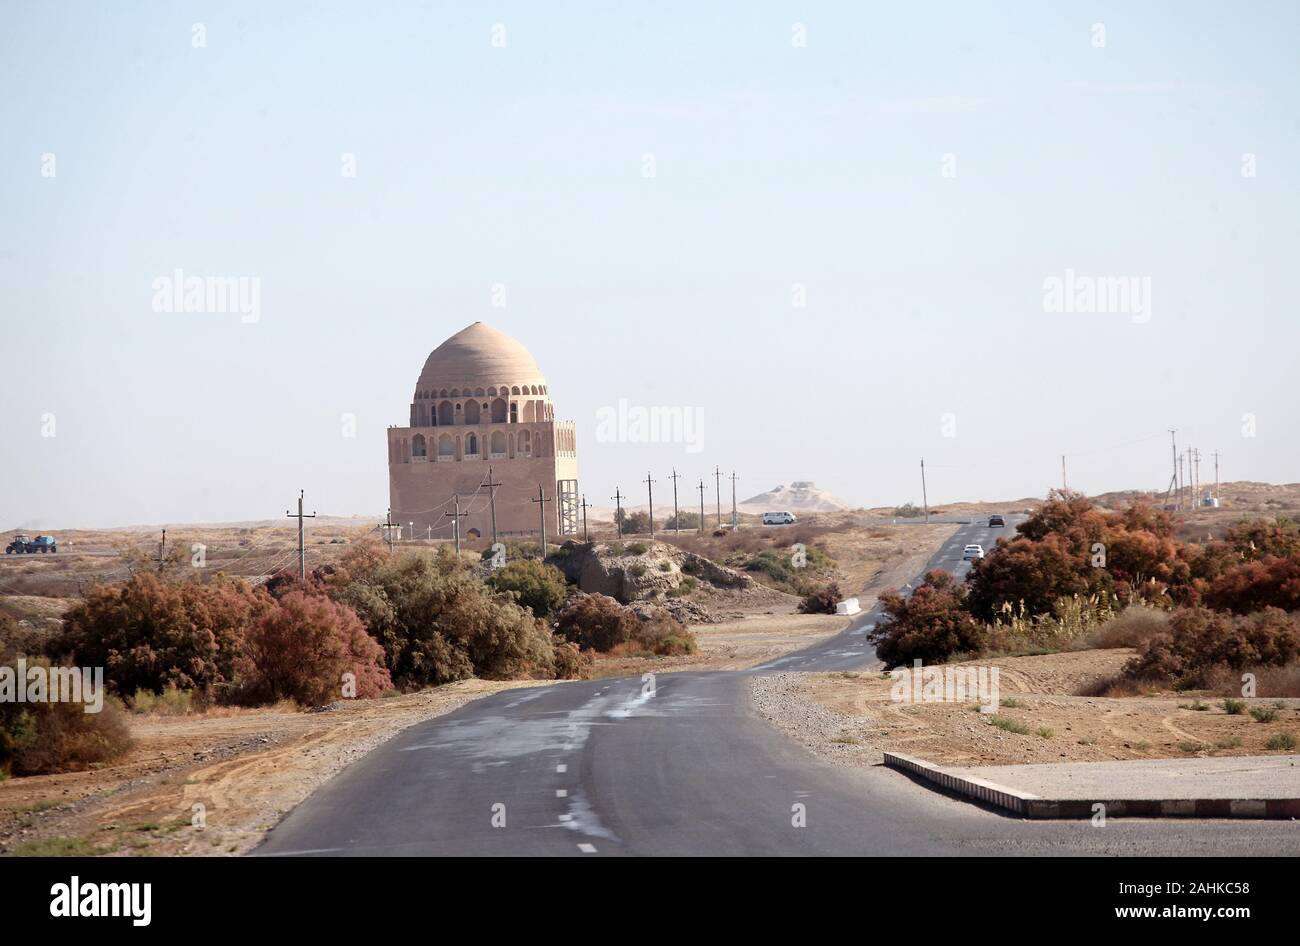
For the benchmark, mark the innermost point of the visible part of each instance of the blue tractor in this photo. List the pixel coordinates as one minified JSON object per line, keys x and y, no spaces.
{"x":25,"y":545}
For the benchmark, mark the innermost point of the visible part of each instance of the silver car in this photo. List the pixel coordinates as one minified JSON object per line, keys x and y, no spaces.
{"x":972,"y":552}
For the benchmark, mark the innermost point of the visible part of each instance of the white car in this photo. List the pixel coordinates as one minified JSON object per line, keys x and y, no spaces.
{"x":972,"y":552}
{"x":778,"y":518}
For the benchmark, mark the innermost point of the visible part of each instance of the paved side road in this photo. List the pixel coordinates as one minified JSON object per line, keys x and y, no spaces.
{"x":686,"y":766}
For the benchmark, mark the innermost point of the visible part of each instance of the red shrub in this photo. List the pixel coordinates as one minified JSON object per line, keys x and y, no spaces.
{"x":1252,"y":586}
{"x":931,"y":625}
{"x":596,"y":622}
{"x":1201,"y":642}
{"x":302,"y":649}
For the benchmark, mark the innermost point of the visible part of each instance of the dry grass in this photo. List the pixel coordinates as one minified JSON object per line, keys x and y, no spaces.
{"x":1133,"y":626}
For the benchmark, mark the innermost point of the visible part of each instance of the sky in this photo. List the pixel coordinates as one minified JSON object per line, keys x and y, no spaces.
{"x":834,"y":234}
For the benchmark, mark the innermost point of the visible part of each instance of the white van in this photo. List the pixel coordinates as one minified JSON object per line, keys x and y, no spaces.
{"x":778,"y":518}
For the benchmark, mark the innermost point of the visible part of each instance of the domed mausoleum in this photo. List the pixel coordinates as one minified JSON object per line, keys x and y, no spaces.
{"x":482,"y":415}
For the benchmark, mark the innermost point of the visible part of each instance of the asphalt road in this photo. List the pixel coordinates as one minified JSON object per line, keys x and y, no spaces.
{"x":684,"y":766}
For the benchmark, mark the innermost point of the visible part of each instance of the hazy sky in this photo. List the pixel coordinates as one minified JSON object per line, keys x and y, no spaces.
{"x":920,"y":170}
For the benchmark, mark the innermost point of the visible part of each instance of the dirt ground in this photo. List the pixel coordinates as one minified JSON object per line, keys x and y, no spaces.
{"x":246,"y":769}
{"x":850,"y":717}
{"x":766,"y":625}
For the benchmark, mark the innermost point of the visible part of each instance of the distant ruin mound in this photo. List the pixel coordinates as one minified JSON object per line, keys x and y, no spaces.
{"x":799,"y":496}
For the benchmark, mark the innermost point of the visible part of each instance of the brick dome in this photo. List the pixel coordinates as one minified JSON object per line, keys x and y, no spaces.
{"x":478,"y":356}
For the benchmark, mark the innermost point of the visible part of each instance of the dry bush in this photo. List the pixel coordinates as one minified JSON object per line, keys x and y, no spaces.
{"x":149,"y":633}
{"x":662,"y":636}
{"x":1200,"y":642}
{"x":1132,"y":627}
{"x":1270,"y":682}
{"x":570,"y":662}
{"x":821,"y":600}
{"x":596,"y":622}
{"x":39,"y":738}
{"x":1115,"y":685}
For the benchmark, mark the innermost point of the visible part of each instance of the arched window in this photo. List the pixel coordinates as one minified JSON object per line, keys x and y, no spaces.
{"x":471,"y":445}
{"x":515,"y":389}
{"x":499,"y":411}
{"x":526,"y":443}
{"x":446,"y":414}
{"x":498,"y":445}
{"x":446,"y":447}
{"x":514,"y":412}
{"x":530,"y":411}
{"x":471,"y":412}
{"x":417,"y":446}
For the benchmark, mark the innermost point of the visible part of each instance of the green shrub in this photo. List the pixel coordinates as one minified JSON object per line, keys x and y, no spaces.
{"x":1009,"y":725}
{"x":1263,"y":714}
{"x":171,"y":702}
{"x":1234,"y":707}
{"x":685,"y":587}
{"x":637,"y":548}
{"x":438,"y":623}
{"x":1282,"y":740}
{"x":535,"y":585}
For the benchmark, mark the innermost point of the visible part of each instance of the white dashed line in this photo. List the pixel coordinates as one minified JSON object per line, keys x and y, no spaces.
{"x":561,"y":767}
{"x":587,"y":848}
{"x":561,"y":793}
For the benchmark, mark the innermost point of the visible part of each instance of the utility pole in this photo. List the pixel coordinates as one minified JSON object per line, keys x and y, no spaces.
{"x":541,"y":500}
{"x":717,"y":492}
{"x":1173,"y":447}
{"x":162,"y":548}
{"x":1063,"y":483}
{"x":677,"y":519}
{"x":586,"y":534}
{"x":618,"y":511}
{"x":492,"y":501}
{"x":1216,"y":476}
{"x":733,"y":499}
{"x":701,"y":529}
{"x":389,"y":526}
{"x":650,"y":491}
{"x":925,"y":499}
{"x":302,"y":548}
{"x":1196,"y":479}
{"x":455,"y":516}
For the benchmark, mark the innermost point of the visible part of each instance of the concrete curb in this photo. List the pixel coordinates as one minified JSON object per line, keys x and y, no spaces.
{"x":1032,"y":806}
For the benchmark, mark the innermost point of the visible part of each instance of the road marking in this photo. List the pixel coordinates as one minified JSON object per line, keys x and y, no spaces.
{"x":587,"y":848}
{"x":314,"y":850}
{"x":561,"y":793}
{"x":561,"y":768}
{"x":566,"y":817}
